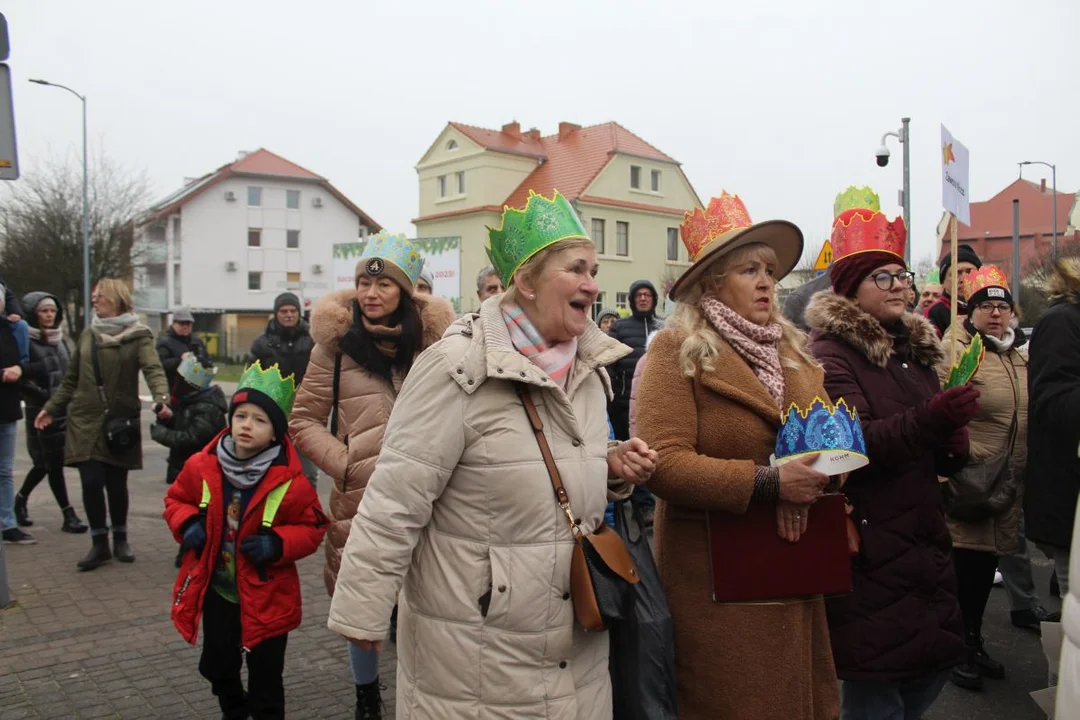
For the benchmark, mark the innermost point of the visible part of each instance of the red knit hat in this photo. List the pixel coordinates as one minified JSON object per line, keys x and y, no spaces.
{"x":848,"y":273}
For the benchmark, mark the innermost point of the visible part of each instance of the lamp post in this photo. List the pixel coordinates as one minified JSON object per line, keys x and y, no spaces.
{"x":883,"y":159}
{"x":1053,"y":175}
{"x":85,"y":203}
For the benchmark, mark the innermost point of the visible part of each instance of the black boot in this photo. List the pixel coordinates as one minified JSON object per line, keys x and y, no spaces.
{"x":99,"y":553}
{"x":967,"y":676}
{"x":988,"y":666}
{"x":22,"y":517}
{"x":72,"y":523}
{"x":369,"y":704}
{"x":121,"y":549}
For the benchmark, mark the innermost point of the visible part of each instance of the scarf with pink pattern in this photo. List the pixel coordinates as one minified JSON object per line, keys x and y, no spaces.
{"x":758,"y":345}
{"x":556,"y":360}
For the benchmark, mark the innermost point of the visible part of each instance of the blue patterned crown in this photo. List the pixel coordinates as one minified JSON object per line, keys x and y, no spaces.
{"x":821,"y":428}
{"x":384,"y":249}
{"x":193,"y":371}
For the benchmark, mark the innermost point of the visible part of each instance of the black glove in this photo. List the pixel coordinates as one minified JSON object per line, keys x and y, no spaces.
{"x":262,"y":549}
{"x":194,"y":536}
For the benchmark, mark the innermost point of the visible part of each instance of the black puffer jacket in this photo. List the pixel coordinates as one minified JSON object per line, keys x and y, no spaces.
{"x":633,"y":331}
{"x":170,"y":347}
{"x":289,"y":348}
{"x":1053,"y":476}
{"x":197,"y":419}
{"x":42,"y":375}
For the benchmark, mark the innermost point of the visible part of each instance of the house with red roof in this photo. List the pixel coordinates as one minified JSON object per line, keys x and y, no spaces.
{"x":990,"y":233}
{"x":227,"y":243}
{"x":630,"y":194}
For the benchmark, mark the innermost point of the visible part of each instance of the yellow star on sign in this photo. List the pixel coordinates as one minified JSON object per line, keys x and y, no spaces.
{"x":947,"y":153}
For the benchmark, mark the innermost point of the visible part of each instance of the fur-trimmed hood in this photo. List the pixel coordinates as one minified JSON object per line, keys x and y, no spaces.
{"x":1064,"y":281}
{"x":333,"y":316}
{"x":831,"y":314}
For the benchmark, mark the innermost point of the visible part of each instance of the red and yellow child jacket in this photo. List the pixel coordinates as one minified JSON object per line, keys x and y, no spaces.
{"x":285,"y":502}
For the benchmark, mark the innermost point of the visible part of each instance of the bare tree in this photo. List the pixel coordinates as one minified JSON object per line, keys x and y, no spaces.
{"x":41,"y":236}
{"x":810,"y":256}
{"x":922,"y":268}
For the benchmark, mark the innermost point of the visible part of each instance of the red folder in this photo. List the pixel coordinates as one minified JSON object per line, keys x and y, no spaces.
{"x":750,"y":561}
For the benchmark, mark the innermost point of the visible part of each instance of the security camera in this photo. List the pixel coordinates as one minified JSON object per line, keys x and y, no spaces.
{"x":882,"y":155}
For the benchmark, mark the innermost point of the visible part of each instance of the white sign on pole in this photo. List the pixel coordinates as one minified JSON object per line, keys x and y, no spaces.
{"x":954,"y":177}
{"x":442,"y":256}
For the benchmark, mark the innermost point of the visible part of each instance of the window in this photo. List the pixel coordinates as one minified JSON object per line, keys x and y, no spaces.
{"x":254,"y":281}
{"x":292,"y":239}
{"x":655,"y":181}
{"x":460,"y":183}
{"x":635,"y":177}
{"x":292,"y":199}
{"x":254,"y":196}
{"x":620,"y":301}
{"x":598,"y":306}
{"x":598,"y":235}
{"x":254,"y":238}
{"x":442,"y":185}
{"x":622,"y":239}
{"x":673,"y":244}
{"x":452,"y":145}
{"x":292,"y":277}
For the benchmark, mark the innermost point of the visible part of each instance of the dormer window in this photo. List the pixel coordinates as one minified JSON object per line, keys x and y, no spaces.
{"x":451,"y":145}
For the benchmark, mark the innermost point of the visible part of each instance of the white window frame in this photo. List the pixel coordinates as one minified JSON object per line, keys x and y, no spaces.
{"x":254,"y":192}
{"x":289,"y":194}
{"x":288,"y":234}
{"x":654,"y":180}
{"x":254,"y":230}
{"x":599,"y":237}
{"x":622,"y":300}
{"x":459,"y":178}
{"x":440,"y":183}
{"x":673,"y":235}
{"x":635,"y":177}
{"x":257,"y":277}
{"x":621,"y":225}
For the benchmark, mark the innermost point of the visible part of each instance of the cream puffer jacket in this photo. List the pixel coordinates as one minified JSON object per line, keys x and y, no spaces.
{"x":364,"y":405}
{"x":461,"y":509}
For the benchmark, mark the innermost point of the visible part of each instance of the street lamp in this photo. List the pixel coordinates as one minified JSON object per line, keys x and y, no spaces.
{"x":1053,"y":174}
{"x":85,"y":202}
{"x":882,"y":155}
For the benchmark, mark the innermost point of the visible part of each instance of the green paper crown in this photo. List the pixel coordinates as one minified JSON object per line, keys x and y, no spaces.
{"x":523,"y":233}
{"x":269,"y":382}
{"x":967,"y":364}
{"x":854,"y":198}
{"x":934,"y":278}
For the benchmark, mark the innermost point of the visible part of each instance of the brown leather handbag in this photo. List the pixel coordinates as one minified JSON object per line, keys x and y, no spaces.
{"x":601,"y":571}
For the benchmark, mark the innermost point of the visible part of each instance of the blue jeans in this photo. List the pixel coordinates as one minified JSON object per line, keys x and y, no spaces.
{"x":7,"y":475}
{"x":889,"y":700}
{"x":364,"y":664}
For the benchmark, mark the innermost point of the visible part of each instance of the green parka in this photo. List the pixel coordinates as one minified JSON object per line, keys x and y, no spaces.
{"x":120,"y":356}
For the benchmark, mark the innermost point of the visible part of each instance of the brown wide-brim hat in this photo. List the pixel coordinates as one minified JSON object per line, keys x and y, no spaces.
{"x":782,"y":236}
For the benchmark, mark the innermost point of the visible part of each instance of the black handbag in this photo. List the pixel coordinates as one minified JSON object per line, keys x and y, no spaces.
{"x":121,"y":433}
{"x":986,"y":489}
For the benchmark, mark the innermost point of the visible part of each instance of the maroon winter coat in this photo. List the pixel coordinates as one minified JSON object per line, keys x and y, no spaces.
{"x":902,"y":620}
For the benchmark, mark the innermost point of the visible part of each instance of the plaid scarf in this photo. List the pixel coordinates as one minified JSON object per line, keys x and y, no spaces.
{"x":758,"y":345}
{"x":556,"y":360}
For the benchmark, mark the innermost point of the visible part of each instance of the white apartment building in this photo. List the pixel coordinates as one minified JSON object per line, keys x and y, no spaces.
{"x":227,"y":243}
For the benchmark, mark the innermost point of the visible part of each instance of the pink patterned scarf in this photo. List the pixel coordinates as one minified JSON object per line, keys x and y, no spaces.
{"x":556,"y":360}
{"x":758,"y":345}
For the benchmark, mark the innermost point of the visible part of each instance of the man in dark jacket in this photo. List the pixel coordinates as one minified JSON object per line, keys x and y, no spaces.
{"x":12,"y":307}
{"x":287,"y":341}
{"x":940,"y":313}
{"x":176,"y":341}
{"x":1053,"y":473}
{"x":795,"y":305}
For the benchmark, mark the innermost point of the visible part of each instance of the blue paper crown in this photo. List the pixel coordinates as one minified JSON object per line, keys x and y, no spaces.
{"x":820,"y":428}
{"x":194,"y":372}
{"x":395,"y":249}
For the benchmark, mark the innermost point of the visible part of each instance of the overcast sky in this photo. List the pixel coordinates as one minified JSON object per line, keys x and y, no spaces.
{"x":781,"y":101}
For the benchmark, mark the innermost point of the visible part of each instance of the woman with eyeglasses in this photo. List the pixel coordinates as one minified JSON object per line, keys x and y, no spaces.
{"x":899,"y":632}
{"x":1000,"y":427}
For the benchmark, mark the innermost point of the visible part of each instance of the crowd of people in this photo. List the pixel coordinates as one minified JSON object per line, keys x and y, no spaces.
{"x":469,"y":457}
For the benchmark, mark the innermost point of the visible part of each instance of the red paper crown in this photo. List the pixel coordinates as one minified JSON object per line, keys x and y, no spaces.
{"x":985,"y":277}
{"x":860,"y":230}
{"x":700,"y":228}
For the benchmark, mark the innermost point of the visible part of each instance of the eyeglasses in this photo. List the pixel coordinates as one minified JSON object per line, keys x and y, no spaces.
{"x":990,"y":307}
{"x":884,"y":280}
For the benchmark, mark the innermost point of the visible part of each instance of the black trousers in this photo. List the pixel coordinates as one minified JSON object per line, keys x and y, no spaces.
{"x":223,"y":657}
{"x":975,"y":580}
{"x":97,"y":478}
{"x":56,"y":484}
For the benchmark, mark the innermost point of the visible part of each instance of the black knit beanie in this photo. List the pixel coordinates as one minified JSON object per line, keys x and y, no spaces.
{"x":286,"y":298}
{"x":964,"y":253}
{"x":257,"y":397}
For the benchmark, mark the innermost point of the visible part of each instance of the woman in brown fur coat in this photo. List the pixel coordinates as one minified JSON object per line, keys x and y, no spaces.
{"x":710,"y":404}
{"x":366,"y":341}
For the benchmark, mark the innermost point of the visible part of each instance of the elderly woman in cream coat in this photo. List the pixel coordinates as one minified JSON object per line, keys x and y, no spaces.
{"x":461,"y":508}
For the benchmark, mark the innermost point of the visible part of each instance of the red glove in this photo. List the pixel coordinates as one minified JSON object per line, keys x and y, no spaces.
{"x":957,"y":443}
{"x":956,"y":407}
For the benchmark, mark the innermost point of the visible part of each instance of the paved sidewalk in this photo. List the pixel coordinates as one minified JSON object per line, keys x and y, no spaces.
{"x":101,"y":644}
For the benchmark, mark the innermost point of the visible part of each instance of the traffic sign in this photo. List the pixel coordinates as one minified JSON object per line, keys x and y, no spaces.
{"x":824,"y":258}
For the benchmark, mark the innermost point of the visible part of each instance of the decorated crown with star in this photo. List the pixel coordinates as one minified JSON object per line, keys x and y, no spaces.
{"x":526,"y":231}
{"x":833,"y":431}
{"x":860,"y":226}
{"x":194,"y":372}
{"x":986,"y":277}
{"x":385,"y":253}
{"x":270,"y":383}
{"x":702,"y":227}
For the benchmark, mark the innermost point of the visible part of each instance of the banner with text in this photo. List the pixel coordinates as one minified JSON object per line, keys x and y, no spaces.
{"x":442,"y":256}
{"x":954,"y":177}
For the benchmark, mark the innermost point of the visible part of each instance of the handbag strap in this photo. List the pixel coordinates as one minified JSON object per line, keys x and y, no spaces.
{"x":549,"y":460}
{"x":102,"y":395}
{"x":337,"y":389}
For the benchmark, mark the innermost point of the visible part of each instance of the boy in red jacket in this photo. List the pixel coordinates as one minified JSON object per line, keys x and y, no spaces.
{"x":243,"y":514}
